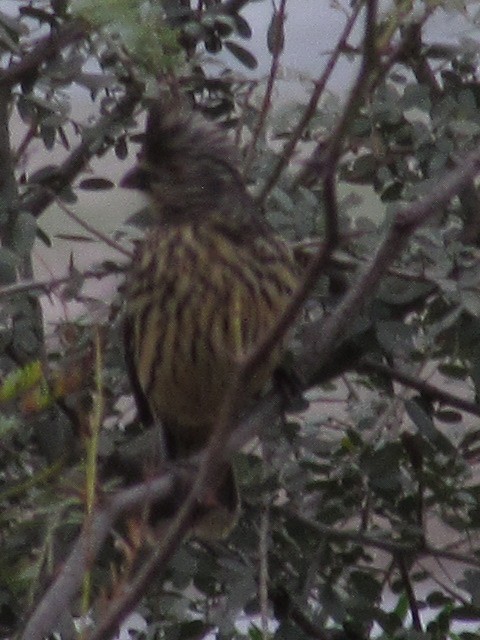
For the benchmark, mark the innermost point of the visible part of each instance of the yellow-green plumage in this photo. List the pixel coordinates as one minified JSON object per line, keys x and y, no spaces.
{"x":205,"y":285}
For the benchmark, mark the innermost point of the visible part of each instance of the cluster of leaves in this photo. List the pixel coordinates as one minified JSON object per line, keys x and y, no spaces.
{"x":340,"y":508}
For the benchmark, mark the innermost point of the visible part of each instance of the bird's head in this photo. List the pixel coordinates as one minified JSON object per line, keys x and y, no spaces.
{"x":186,"y":166}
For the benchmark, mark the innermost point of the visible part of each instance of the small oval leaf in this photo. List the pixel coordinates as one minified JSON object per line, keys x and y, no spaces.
{"x":242,"y":27}
{"x":276,"y":34}
{"x":96,"y":184}
{"x":242,"y":55}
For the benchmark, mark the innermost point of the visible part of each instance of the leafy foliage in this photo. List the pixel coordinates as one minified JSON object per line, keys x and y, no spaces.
{"x":360,"y":515}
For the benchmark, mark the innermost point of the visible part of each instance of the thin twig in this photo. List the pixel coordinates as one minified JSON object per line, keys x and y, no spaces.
{"x":393,"y":547}
{"x":318,"y":89}
{"x":94,"y":137}
{"x":425,"y":388}
{"x":456,"y":595}
{"x":44,"y":50}
{"x":322,"y":158}
{"x":91,"y":229}
{"x":263,"y":568}
{"x":407,"y":585}
{"x":279,"y":21}
{"x":48,"y":285}
{"x":27,"y":139}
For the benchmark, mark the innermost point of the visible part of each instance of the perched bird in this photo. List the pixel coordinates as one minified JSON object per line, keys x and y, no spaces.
{"x":205,"y":284}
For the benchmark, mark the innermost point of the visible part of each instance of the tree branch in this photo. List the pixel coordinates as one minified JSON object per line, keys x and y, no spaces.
{"x":393,"y":547}
{"x":425,"y":388}
{"x":48,"y":285}
{"x":322,"y":159}
{"x":96,"y":233}
{"x":322,"y":335}
{"x":45,"y":49}
{"x":38,"y":199}
{"x":279,"y":23}
{"x":318,"y":89}
{"x":95,"y":530}
{"x":412,"y":601}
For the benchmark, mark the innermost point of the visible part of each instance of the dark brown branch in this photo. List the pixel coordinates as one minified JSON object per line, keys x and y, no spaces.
{"x":412,"y":601}
{"x":425,"y":388}
{"x":8,"y":186}
{"x":8,"y":215}
{"x":318,"y":89}
{"x":412,"y":55}
{"x":323,"y":334}
{"x":272,"y":76}
{"x":323,"y":158}
{"x":93,"y":138}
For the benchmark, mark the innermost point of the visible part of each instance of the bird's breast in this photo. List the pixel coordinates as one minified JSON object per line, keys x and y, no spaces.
{"x":197,"y":300}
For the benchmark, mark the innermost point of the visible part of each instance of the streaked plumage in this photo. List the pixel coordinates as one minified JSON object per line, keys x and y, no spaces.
{"x":206,"y":283}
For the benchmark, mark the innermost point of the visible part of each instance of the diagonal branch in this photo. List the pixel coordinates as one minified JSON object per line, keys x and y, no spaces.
{"x":321,"y":160}
{"x":322,"y":335}
{"x":425,"y":388}
{"x":217,"y":452}
{"x":38,"y":199}
{"x":318,"y":89}
{"x":279,"y":23}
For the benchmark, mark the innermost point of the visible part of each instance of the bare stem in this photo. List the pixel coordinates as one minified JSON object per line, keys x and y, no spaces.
{"x":318,"y":89}
{"x":279,"y":20}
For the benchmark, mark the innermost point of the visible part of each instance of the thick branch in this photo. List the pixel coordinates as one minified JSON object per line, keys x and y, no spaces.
{"x":322,"y":335}
{"x":62,"y":592}
{"x":67,"y":583}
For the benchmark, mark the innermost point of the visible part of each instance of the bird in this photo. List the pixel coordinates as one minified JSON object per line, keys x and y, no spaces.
{"x":206,"y":283}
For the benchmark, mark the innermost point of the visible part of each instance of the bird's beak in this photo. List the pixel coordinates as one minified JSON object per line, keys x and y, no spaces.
{"x":137,"y":178}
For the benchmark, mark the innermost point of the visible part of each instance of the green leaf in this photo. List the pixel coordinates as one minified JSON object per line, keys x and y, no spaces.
{"x":243,"y":55}
{"x":395,"y":337}
{"x":96,"y":184}
{"x":424,"y":423}
{"x":276,"y":33}
{"x":225,"y":25}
